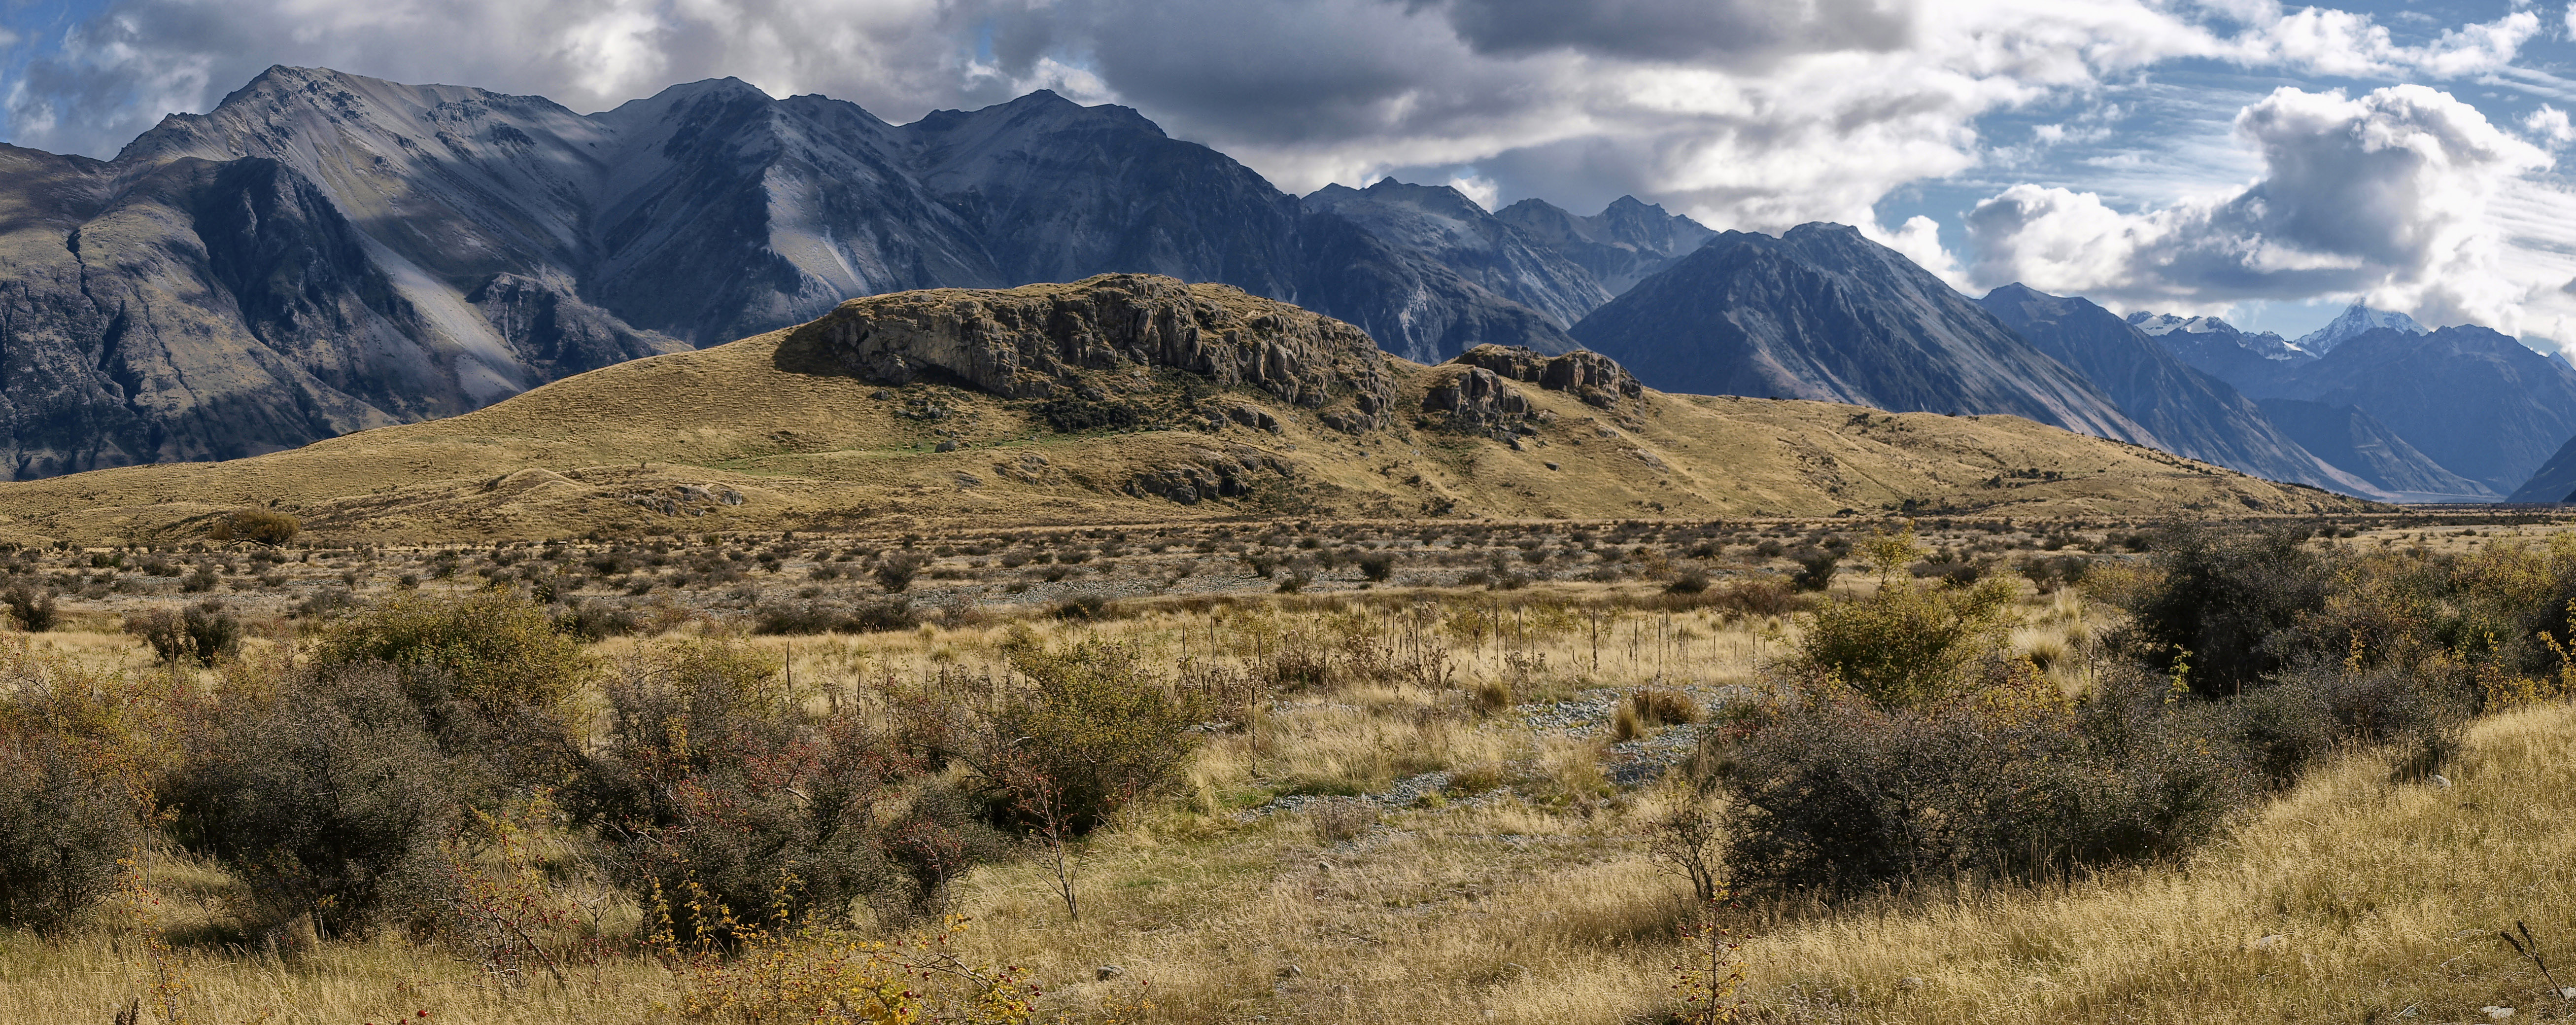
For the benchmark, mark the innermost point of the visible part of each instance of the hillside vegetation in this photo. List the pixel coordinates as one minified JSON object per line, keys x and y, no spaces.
{"x":780,"y":431}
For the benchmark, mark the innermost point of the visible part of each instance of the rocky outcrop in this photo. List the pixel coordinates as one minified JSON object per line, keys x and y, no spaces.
{"x":1596,"y":379}
{"x":1476,"y":401}
{"x":1097,"y":336}
{"x":1475,"y":392}
{"x":1209,"y":475}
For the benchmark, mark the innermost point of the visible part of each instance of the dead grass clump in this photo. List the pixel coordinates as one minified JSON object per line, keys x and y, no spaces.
{"x":1337,"y":820}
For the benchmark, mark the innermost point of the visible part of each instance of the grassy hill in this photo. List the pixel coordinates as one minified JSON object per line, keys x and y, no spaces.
{"x":774,"y":432}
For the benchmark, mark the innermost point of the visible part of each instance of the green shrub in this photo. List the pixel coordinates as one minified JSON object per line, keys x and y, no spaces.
{"x":2219,"y":607}
{"x":1085,"y":730}
{"x":489,"y":670}
{"x":200,"y":633}
{"x":1904,"y":644}
{"x":63,"y":827}
{"x":328,"y":796}
{"x":32,"y":607}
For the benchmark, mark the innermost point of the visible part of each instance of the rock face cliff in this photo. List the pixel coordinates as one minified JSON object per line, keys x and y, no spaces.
{"x":325,"y":252}
{"x":1104,"y":336}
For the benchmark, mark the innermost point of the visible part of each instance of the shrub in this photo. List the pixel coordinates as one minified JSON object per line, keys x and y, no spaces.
{"x":713,"y":789}
{"x":2219,"y":608}
{"x":489,"y":671}
{"x":200,"y":633}
{"x":32,"y":607}
{"x":200,"y":580}
{"x":1815,"y":570}
{"x":1376,"y":566}
{"x":1841,"y":797}
{"x":2306,"y":714}
{"x":1760,"y":596}
{"x":1087,"y":730}
{"x":896,"y":570}
{"x":259,"y":526}
{"x":1905,"y":644}
{"x":593,"y":620}
{"x":816,"y":617}
{"x":63,"y":827}
{"x":328,"y":797}
{"x":1689,"y":582}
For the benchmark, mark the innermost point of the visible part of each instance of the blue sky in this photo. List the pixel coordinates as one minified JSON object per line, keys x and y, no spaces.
{"x":2264,"y":161}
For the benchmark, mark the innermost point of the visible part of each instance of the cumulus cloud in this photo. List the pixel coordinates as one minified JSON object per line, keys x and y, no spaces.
{"x":2383,"y":195}
{"x":1755,"y":31}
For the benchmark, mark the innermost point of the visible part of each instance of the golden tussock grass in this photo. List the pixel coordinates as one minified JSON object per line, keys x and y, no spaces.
{"x":1536,"y":902}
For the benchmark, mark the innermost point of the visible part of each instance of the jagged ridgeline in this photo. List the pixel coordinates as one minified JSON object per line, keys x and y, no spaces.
{"x":1120,"y":398}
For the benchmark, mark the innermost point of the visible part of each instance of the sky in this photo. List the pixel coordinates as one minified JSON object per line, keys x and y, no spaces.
{"x":2265,"y":162}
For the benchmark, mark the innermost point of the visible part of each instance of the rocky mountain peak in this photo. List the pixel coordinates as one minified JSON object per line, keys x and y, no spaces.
{"x":2356,"y":320}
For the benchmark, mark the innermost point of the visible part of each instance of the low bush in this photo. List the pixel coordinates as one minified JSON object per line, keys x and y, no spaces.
{"x":200,"y":633}
{"x":1086,"y":730}
{"x":714,"y":788}
{"x":32,"y":607}
{"x":258,"y":526}
{"x":495,"y":679}
{"x":1815,"y":570}
{"x":1845,"y":796}
{"x":327,"y":795}
{"x":818,"y":617}
{"x":896,"y":571}
{"x":64,"y":825}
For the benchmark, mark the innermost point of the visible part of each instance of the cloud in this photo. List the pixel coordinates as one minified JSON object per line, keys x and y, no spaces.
{"x":1727,"y":31}
{"x":2384,"y":195}
{"x":2549,"y":126}
{"x":1757,"y":114}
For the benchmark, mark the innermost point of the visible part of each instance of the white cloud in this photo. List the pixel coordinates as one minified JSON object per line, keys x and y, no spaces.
{"x":1919,"y":239}
{"x":2549,"y":125}
{"x":2385,"y":195}
{"x":1478,"y":189}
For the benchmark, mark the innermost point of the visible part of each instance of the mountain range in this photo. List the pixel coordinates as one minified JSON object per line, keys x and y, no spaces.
{"x":325,"y":253}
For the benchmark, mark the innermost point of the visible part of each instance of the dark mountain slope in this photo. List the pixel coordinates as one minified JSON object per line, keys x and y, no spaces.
{"x":2193,"y":413}
{"x":1438,"y":221}
{"x":2482,"y":405}
{"x":2358,"y":442}
{"x":1822,"y":313}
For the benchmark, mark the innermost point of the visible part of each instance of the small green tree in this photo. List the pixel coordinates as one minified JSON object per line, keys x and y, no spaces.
{"x":1907,"y":644}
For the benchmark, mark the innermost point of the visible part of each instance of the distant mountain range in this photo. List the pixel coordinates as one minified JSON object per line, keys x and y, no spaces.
{"x":324,"y":253}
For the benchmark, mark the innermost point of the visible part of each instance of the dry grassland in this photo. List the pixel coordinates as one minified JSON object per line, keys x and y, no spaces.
{"x":1493,"y":869}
